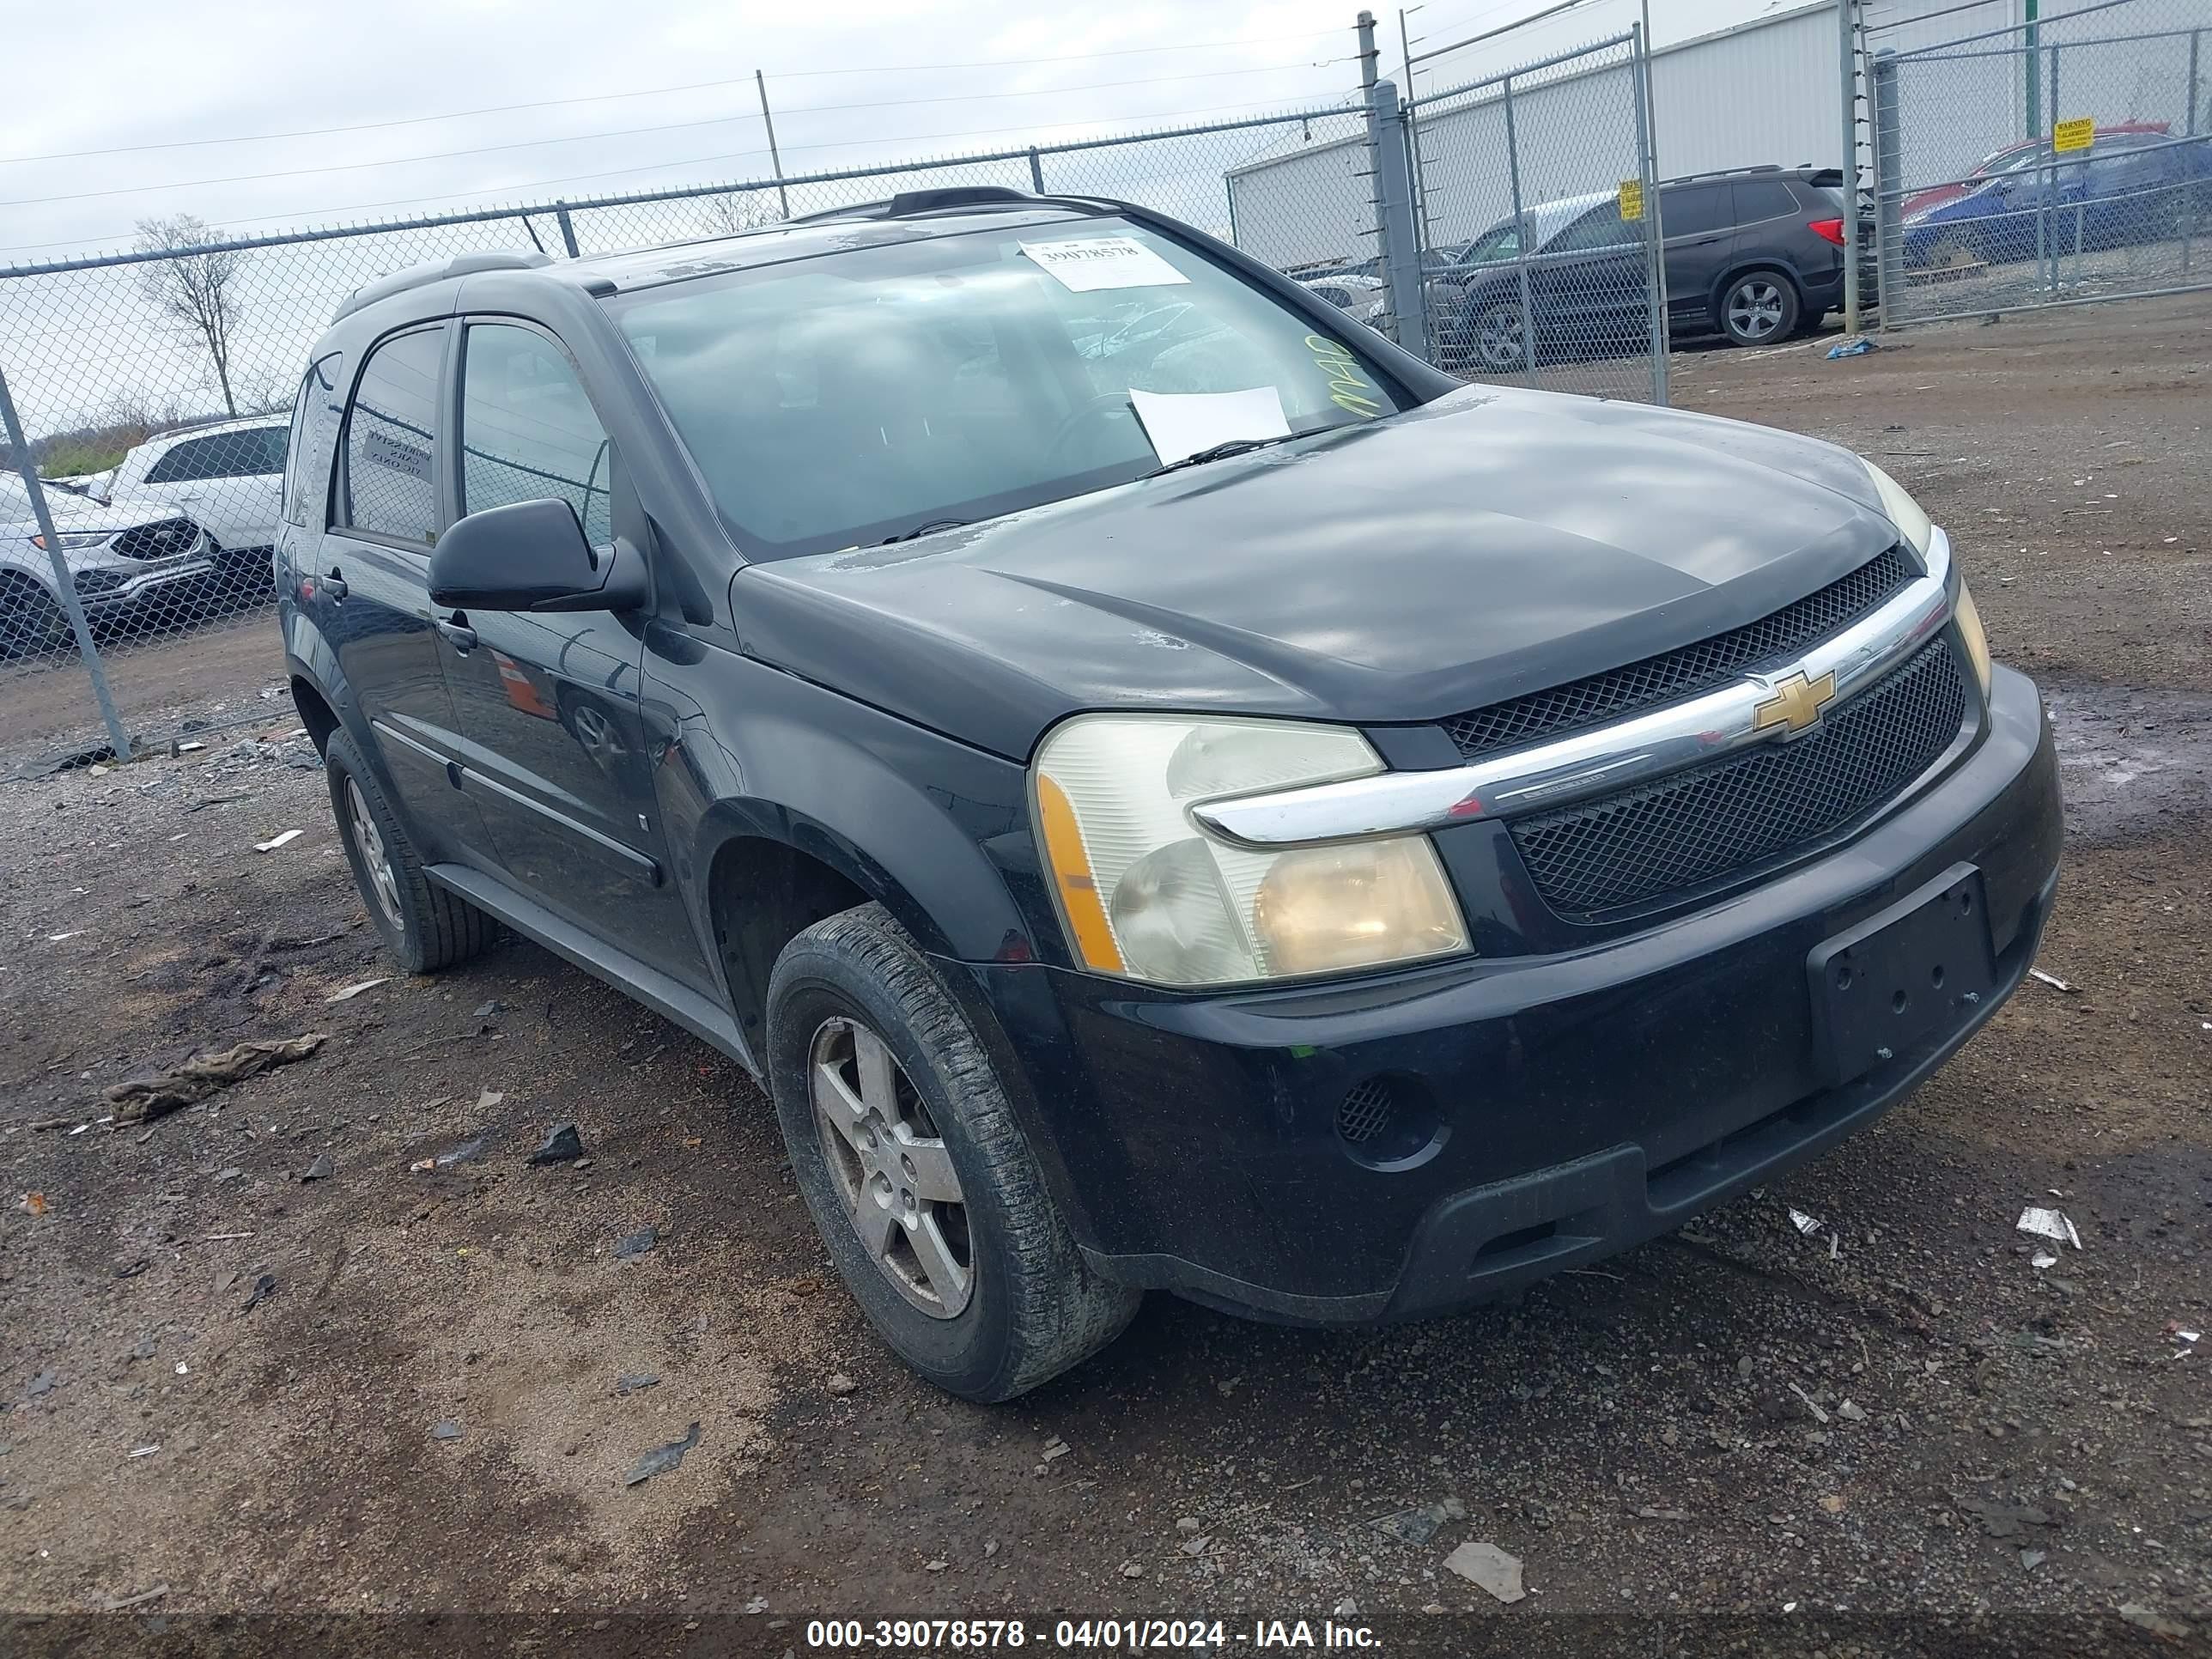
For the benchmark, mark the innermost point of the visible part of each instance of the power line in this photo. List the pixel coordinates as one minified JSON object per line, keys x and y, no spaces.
{"x":920,"y":164}
{"x":651,"y":91}
{"x":632,"y":133}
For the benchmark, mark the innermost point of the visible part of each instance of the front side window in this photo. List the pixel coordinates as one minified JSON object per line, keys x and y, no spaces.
{"x":313,"y":438}
{"x":182,"y":462}
{"x":391,"y":484}
{"x":527,"y":430}
{"x":859,"y":396}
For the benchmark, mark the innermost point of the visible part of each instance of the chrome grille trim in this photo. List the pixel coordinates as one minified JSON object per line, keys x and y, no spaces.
{"x":1599,"y":761}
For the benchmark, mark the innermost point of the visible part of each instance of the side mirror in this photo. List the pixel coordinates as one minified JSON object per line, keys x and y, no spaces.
{"x":533,"y":556}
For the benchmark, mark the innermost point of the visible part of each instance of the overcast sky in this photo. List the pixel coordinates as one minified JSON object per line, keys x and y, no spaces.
{"x":221,"y":111}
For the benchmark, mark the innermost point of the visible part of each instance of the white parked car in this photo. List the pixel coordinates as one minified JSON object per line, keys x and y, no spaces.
{"x":1362,"y":299}
{"x":132,"y":572}
{"x":226,"y":478}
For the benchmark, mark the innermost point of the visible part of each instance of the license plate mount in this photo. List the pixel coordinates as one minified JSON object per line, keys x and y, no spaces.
{"x":1923,"y":963}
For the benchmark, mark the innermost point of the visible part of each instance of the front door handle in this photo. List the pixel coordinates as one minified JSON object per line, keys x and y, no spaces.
{"x":334,"y":584}
{"x":458,"y":633}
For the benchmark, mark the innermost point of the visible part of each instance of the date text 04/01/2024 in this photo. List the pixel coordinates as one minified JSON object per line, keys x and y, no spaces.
{"x":1108,"y":1635}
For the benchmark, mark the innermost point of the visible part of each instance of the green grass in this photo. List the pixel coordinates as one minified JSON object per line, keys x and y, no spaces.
{"x":73,"y":457}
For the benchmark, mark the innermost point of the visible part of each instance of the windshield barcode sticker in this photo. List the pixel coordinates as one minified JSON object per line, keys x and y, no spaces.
{"x":1083,"y":264}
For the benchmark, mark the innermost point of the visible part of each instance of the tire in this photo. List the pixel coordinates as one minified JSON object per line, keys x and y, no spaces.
{"x":31,"y":622}
{"x":1759,"y":307}
{"x":1497,"y":334}
{"x":424,"y":927}
{"x":1007,"y":1301}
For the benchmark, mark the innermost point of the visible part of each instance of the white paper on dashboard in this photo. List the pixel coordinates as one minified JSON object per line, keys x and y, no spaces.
{"x":1082,"y":264}
{"x":1180,"y":424}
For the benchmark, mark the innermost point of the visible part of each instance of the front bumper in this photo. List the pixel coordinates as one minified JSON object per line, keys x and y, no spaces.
{"x":1586,"y":1101}
{"x":163,"y":585}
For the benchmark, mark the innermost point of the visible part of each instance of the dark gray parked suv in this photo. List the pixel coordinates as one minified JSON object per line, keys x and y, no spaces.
{"x":1166,"y":790}
{"x":1756,"y":255}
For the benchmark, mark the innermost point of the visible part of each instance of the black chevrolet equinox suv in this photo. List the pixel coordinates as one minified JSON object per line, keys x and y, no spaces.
{"x":1166,"y":791}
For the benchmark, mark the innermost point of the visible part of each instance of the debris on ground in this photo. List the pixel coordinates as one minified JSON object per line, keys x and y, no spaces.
{"x":320,"y":1170}
{"x":2048,"y":1224}
{"x":663,"y":1459}
{"x":355,"y":989}
{"x":1413,"y":1526}
{"x":1811,"y":1404}
{"x":1054,"y":1447}
{"x":1857,"y":348}
{"x":2000,"y":1519}
{"x":447,"y":1430}
{"x":1852,"y":1411}
{"x":1132,"y":1570}
{"x":117,"y":1603}
{"x":1804,"y":1224}
{"x":488,"y":1010}
{"x":2156,"y":1623}
{"x":137,"y":1100}
{"x":563,"y":1144}
{"x":35,"y":1203}
{"x":263,"y":1288}
{"x":636,"y":1381}
{"x":1649,"y":1514}
{"x":637,"y":1243}
{"x":1488,"y":1568}
{"x":467,"y":1152}
{"x":2051,"y":980}
{"x":42,"y":1384}
{"x":841,"y":1385}
{"x":275,"y":841}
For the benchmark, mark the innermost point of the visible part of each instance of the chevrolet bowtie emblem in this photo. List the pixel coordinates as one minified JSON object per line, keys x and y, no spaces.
{"x":1795,"y":705}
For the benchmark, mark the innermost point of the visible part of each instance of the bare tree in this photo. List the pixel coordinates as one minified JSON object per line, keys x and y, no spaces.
{"x":193,"y":291}
{"x":734,"y":211}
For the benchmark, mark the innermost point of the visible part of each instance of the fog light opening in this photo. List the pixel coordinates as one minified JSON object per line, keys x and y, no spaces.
{"x":1388,"y":1122}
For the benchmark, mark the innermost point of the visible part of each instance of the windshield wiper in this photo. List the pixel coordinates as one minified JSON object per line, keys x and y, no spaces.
{"x":1222,"y":451}
{"x":924,"y":530}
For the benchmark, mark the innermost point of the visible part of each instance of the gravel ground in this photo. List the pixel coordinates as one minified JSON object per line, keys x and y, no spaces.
{"x":380,"y":1391}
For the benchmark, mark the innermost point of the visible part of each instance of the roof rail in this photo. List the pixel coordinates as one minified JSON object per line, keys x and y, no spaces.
{"x":435,"y":270}
{"x":913,"y":204}
{"x":1727,"y":173}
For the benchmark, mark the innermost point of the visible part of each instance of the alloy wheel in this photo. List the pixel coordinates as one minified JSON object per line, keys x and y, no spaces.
{"x":374,"y":856}
{"x":1499,"y":337}
{"x":891,"y":1168}
{"x":1754,"y":310}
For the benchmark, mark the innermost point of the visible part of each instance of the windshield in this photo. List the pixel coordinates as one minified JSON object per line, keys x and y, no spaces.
{"x":844,"y":399}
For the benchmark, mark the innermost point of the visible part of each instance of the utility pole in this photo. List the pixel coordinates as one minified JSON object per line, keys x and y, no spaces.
{"x":1847,"y":60}
{"x":775,"y":160}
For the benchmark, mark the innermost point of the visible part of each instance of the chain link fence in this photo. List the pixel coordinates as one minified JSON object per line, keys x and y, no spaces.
{"x":1539,"y":260}
{"x":155,"y":391}
{"x":2061,"y":161}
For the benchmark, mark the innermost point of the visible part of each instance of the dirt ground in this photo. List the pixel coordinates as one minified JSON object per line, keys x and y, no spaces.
{"x":381,"y":1392}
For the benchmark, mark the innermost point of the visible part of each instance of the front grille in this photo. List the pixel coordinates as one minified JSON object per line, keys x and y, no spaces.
{"x":164,"y":540}
{"x":1673,"y":674}
{"x":1697,"y":827}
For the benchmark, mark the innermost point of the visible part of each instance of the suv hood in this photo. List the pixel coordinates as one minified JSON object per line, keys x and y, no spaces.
{"x":1491,"y":543}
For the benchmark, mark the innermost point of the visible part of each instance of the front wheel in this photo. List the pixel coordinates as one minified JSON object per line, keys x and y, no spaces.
{"x":1759,"y":307}
{"x":32,"y":623}
{"x":922,"y":1186}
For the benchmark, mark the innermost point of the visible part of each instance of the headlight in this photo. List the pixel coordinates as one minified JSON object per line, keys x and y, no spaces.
{"x":1901,"y":509}
{"x":1970,"y":630}
{"x":1145,"y":894}
{"x":72,"y":540}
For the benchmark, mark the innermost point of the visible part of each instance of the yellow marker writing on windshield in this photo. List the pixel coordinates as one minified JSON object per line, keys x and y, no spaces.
{"x":1347,"y":391}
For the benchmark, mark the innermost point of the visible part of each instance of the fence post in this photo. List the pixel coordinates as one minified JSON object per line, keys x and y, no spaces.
{"x":1036,"y":171}
{"x":1655,"y":244}
{"x":1401,"y":261}
{"x":1847,"y":59}
{"x":64,"y":583}
{"x":1520,"y":235}
{"x":2042,"y":228}
{"x":2189,"y":214}
{"x":568,"y":230}
{"x":1888,"y":184}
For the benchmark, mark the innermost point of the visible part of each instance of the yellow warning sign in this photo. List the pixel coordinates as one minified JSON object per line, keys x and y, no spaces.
{"x":2074,"y":134}
{"x":1631,"y":198}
